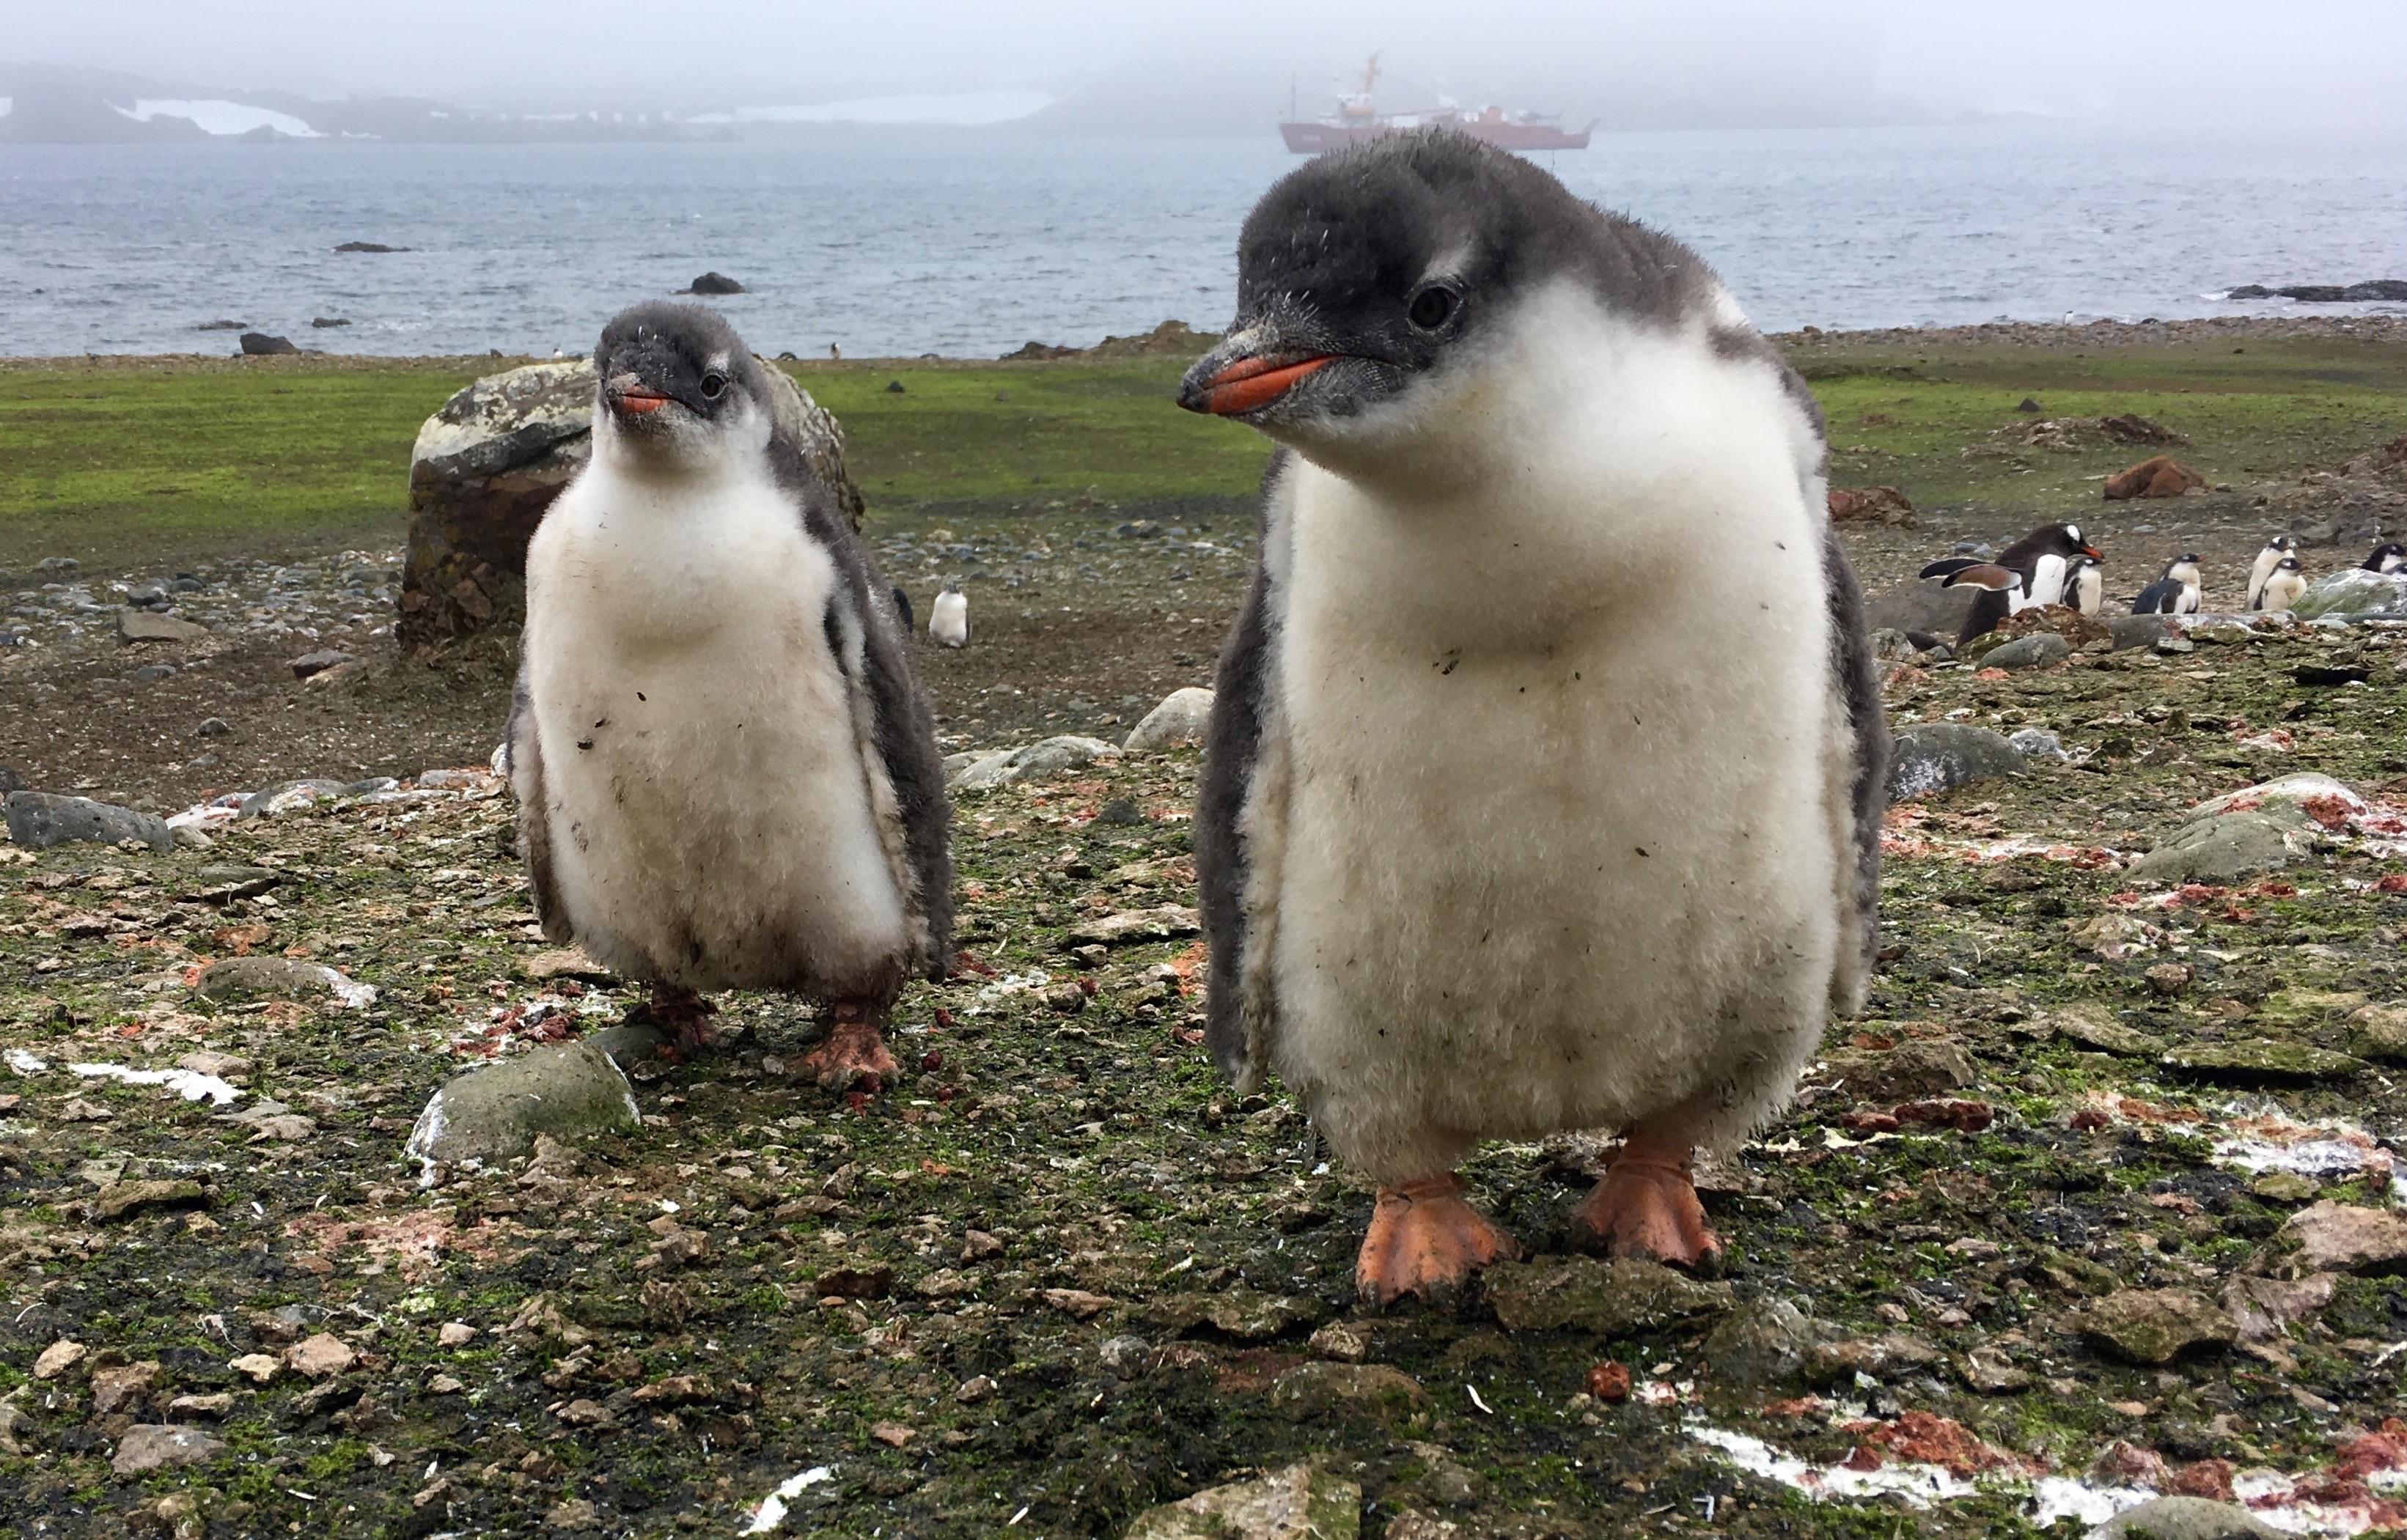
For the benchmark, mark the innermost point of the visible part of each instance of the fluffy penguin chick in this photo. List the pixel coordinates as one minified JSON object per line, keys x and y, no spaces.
{"x":2288,"y":581}
{"x":1486,"y":848}
{"x":2262,"y":570}
{"x":2176,"y":592}
{"x":728,"y":777}
{"x":2085,"y":586}
{"x":949,"y":618}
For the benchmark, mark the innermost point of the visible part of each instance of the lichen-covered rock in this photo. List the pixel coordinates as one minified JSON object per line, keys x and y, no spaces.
{"x":1914,"y":1069}
{"x":1009,"y":767}
{"x":2353,"y":594}
{"x":569,"y":1091}
{"x":2256,"y":829}
{"x":38,"y":820}
{"x":490,"y":460}
{"x":2035,"y":651}
{"x":1609,"y":1298}
{"x":2263,"y":1061}
{"x":1931,"y":759}
{"x":2157,"y":1326}
{"x":260,"y":978}
{"x":1365,"y":1390}
{"x":1178,"y":721}
{"x":1298,"y":1503}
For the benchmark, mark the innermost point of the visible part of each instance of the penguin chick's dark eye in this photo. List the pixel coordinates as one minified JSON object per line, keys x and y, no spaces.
{"x":713,"y":386}
{"x":1432,"y":308}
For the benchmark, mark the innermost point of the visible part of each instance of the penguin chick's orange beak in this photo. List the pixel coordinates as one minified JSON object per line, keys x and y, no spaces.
{"x":634,"y":403}
{"x":1249,"y":383}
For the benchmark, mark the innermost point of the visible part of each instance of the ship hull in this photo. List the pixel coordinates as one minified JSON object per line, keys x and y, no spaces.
{"x":1314,"y":138}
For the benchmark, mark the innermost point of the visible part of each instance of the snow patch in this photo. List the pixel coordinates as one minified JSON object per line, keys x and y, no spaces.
{"x":1918,"y":1484}
{"x":772,"y":1511}
{"x":190,"y":1084}
{"x":220,"y":117}
{"x":24,"y":1063}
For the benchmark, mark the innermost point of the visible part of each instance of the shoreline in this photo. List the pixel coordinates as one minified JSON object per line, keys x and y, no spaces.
{"x":2030,"y":335}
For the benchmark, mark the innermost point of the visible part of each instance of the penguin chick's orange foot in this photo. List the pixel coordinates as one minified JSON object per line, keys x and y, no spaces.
{"x":854,"y":1057}
{"x":1646,"y":1207}
{"x":1424,"y":1239}
{"x":686,"y":1015}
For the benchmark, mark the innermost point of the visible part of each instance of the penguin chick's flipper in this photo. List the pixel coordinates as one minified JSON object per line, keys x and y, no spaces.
{"x":1981,"y":574}
{"x":1426,"y":1240}
{"x":1646,"y":1207}
{"x":854,"y":1057}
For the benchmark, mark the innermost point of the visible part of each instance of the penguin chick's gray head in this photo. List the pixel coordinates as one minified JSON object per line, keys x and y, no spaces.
{"x":1371,"y":278}
{"x":677,"y":386}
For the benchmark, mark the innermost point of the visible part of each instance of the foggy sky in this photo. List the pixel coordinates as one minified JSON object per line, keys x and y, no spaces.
{"x":2138,"y":61}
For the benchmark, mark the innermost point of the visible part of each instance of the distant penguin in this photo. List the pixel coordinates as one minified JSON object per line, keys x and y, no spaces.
{"x":2282,"y":588}
{"x":2025,"y":575}
{"x":948,"y":620}
{"x":2261,"y":571}
{"x":727,"y":776}
{"x":2387,"y":557}
{"x":1486,"y":849}
{"x":2177,"y":591}
{"x":2085,"y":586}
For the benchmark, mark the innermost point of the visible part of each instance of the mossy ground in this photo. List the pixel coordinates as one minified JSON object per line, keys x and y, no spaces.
{"x":1076,"y":1122}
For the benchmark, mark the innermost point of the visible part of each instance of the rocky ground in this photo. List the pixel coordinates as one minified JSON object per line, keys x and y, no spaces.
{"x":2101,"y":1200}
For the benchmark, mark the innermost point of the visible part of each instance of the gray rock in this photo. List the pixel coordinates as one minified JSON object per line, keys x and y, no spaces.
{"x":150,"y":673}
{"x":10,"y":781}
{"x":1932,"y":758}
{"x":37,"y":820}
{"x":2155,"y":1327}
{"x":2379,"y":1032}
{"x":1920,"y":607}
{"x":713,"y":283}
{"x":58,"y":564}
{"x":493,"y":1114}
{"x":2091,"y":1027}
{"x":1178,"y":721}
{"x":490,"y":462}
{"x":1763,"y":1344}
{"x":1916,"y":1068}
{"x":289,"y":796}
{"x":1295,"y":1503}
{"x":1049,"y":757}
{"x":2353,"y":594}
{"x":2224,"y":849}
{"x":2185,"y":1518}
{"x":154,"y":626}
{"x":631,"y":1045}
{"x":260,"y":978}
{"x":218,"y":883}
{"x":260,"y":344}
{"x":1609,"y":1298}
{"x":2140,"y":631}
{"x":214,"y":726}
{"x":149,"y":1447}
{"x":309,"y":664}
{"x":2035,"y":651}
{"x":2038,"y":743}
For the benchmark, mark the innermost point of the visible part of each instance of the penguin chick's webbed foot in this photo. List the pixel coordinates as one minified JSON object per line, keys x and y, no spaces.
{"x":1424,"y":1239}
{"x":686,"y":1016}
{"x":854,"y":1055}
{"x":1646,"y":1207}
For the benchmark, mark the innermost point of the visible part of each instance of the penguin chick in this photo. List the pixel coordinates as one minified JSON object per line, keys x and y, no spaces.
{"x":949,"y":618}
{"x":727,"y":776}
{"x":902,"y":607}
{"x":2038,"y":565}
{"x":2177,"y":591}
{"x":2085,"y":586}
{"x":2262,"y":568}
{"x":2288,"y":581}
{"x":2389,"y":557}
{"x":1486,"y":848}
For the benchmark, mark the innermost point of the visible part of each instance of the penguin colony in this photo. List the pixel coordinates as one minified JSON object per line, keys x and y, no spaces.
{"x":2055,"y":565}
{"x":1485,"y":850}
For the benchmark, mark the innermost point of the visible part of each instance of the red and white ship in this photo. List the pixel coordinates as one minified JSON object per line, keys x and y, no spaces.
{"x":1356,"y":119}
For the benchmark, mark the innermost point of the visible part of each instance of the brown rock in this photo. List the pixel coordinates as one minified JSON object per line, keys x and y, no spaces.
{"x":2162,"y":476}
{"x":122,"y":1387}
{"x":320,"y":1357}
{"x":2157,"y":1326}
{"x":2264,"y":1307}
{"x":58,"y":1358}
{"x":1295,"y":1503}
{"x":1873,"y":505}
{"x":1915,"y":1070}
{"x":151,"y":1446}
{"x":1356,"y":1390}
{"x":2339,"y":1237}
{"x":1078,"y":1304}
{"x":1609,"y":1298}
{"x":121,"y":1198}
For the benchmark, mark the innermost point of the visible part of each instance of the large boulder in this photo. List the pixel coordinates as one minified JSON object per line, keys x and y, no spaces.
{"x":1931,"y":759}
{"x":1919,"y":606}
{"x":489,"y":463}
{"x":38,"y":820}
{"x":2161,"y":476}
{"x":1182,"y":718}
{"x":2353,"y":594}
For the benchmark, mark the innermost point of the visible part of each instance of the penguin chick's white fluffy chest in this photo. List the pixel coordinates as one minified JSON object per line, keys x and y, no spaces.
{"x":1556,"y":785}
{"x":716,"y":818}
{"x":948,"y":621}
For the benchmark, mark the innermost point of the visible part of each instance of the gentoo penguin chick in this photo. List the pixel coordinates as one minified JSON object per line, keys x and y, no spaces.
{"x":2283,"y":587}
{"x":727,"y":776}
{"x":2085,"y":586}
{"x":2267,"y":560}
{"x":2025,"y":575}
{"x":1486,"y":849}
{"x":949,"y":618}
{"x":2177,"y":591}
{"x":2387,"y":557}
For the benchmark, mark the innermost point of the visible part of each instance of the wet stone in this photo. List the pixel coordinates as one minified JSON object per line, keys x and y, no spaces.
{"x":1611,"y":1298}
{"x":1932,"y":758}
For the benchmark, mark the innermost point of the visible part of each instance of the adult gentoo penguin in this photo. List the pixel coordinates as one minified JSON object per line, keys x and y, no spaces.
{"x":2085,"y":586}
{"x":2025,"y":575}
{"x":728,"y":777}
{"x":2283,"y":586}
{"x":2389,"y":557}
{"x":2176,"y":591}
{"x":1486,"y":848}
{"x":949,"y":618}
{"x":2267,"y":560}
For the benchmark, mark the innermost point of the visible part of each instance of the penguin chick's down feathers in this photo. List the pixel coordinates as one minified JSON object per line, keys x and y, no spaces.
{"x":2288,"y":581}
{"x":727,"y":774}
{"x":1486,"y":848}
{"x":2262,"y":570}
{"x":948,"y":619}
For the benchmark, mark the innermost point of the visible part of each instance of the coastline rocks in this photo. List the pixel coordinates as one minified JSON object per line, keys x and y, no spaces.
{"x":2163,"y":476}
{"x":37,"y":820}
{"x":142,"y":625}
{"x":1179,"y":720}
{"x":713,"y":283}
{"x":1873,"y":505}
{"x":490,"y":462}
{"x":369,"y":246}
{"x":2353,"y":594}
{"x":324,"y":323}
{"x":260,"y":344}
{"x":1931,"y":759}
{"x":494,"y":1113}
{"x":2324,"y":293}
